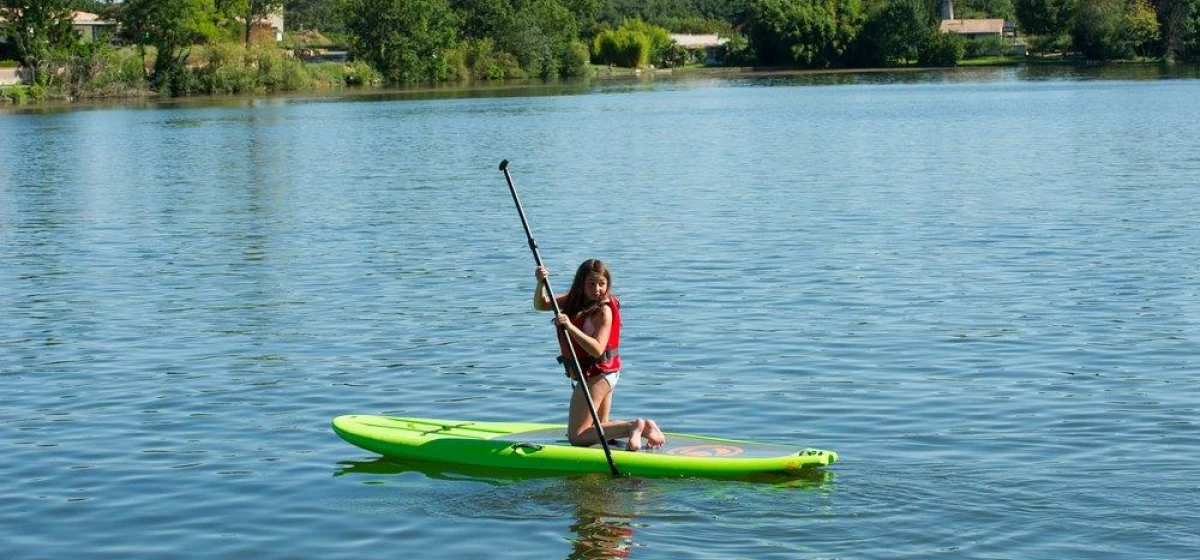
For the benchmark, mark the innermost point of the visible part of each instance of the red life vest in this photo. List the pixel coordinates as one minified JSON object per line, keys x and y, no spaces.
{"x":609,"y":361}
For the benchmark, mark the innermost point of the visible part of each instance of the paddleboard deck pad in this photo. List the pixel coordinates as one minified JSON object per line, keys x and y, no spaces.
{"x":544,"y":448}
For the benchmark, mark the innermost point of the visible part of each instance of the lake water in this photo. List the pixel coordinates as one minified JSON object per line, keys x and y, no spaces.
{"x":980,"y":287}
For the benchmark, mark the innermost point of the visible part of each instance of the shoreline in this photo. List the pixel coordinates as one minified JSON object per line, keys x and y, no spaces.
{"x":601,"y":75}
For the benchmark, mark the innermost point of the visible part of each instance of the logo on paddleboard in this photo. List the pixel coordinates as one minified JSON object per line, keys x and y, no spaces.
{"x":708,"y":450}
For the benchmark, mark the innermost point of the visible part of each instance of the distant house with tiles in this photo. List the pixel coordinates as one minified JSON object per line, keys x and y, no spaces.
{"x":978,"y":29}
{"x":974,"y":29}
{"x":88,"y":26}
{"x":91,"y":27}
{"x":268,"y":28}
{"x":701,"y":47}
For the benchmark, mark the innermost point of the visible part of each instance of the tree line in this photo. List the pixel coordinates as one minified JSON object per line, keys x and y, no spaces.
{"x":402,"y":41}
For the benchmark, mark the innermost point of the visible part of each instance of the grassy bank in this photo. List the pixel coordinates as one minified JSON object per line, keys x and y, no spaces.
{"x":107,"y":72}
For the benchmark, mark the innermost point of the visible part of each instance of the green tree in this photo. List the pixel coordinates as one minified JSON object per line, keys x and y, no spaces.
{"x":479,"y":19}
{"x":36,"y":28}
{"x":894,"y":36}
{"x":943,"y":49}
{"x":811,"y":33}
{"x":1180,"y":26}
{"x":172,"y":27}
{"x":660,"y":38}
{"x":984,"y":9}
{"x":1044,"y":17}
{"x":623,"y":47}
{"x":405,"y":40}
{"x":1099,"y":29}
{"x":250,"y":12}
{"x":539,"y":35}
{"x":542,"y":35}
{"x":1141,"y":27}
{"x":310,"y":14}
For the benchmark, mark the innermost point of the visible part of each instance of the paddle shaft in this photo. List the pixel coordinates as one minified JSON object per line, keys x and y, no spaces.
{"x":537,"y":258}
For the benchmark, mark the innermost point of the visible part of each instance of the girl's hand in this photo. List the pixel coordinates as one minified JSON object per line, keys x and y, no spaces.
{"x":541,"y":273}
{"x":562,"y":320}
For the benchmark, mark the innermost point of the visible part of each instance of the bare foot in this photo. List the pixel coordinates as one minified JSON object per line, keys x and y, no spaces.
{"x":654,"y":436}
{"x":635,"y":434}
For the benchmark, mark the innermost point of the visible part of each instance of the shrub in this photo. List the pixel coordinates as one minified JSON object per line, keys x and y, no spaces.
{"x":16,"y":95}
{"x":225,"y":70}
{"x":359,"y":73}
{"x":326,"y":75}
{"x":942,"y":49}
{"x":277,"y":72}
{"x":574,"y":61}
{"x":675,"y":56}
{"x":660,"y":38}
{"x":622,"y":47}
{"x":991,"y":46}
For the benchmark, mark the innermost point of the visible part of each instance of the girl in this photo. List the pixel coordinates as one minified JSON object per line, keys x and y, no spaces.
{"x":592,"y":321}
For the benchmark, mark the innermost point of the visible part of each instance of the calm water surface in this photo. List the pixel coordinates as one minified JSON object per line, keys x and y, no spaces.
{"x":979,"y":287}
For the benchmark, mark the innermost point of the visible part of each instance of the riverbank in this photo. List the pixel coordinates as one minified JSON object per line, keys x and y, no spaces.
{"x":604,"y":75}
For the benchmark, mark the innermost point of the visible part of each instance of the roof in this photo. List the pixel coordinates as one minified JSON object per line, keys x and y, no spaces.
{"x":698,"y":41}
{"x":973,"y":26}
{"x":82,"y":18}
{"x":87,"y":18}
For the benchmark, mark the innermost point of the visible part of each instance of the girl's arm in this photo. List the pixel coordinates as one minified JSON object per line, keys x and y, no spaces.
{"x":541,"y":298}
{"x":594,"y":345}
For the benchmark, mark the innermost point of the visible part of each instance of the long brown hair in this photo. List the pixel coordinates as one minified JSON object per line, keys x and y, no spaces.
{"x":577,"y":303}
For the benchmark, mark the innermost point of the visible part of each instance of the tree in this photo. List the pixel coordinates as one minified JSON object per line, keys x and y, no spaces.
{"x":660,"y":38}
{"x":405,"y":40}
{"x":171,"y":27}
{"x":310,"y":14}
{"x":1044,"y":17}
{"x":964,"y":9}
{"x":894,"y":35}
{"x":250,"y":11}
{"x":1141,"y":27}
{"x":1099,"y":29}
{"x":36,"y":28}
{"x":1180,"y":26}
{"x":943,"y":49}
{"x":539,"y":33}
{"x":813,"y":33}
{"x":479,"y":19}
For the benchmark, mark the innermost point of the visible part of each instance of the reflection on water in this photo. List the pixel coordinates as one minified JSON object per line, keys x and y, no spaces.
{"x":605,"y":512}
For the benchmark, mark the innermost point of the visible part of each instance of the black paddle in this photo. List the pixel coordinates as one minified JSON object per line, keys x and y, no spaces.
{"x":537,"y":258}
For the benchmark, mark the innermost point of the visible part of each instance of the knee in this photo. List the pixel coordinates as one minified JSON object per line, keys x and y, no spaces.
{"x":581,"y":437}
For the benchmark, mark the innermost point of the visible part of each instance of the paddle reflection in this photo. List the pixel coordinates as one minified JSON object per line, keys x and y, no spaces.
{"x":604,"y":516}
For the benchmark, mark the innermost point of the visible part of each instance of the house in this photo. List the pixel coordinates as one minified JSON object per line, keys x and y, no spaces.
{"x":710,"y":45}
{"x":974,"y":29}
{"x":91,"y":28}
{"x":88,"y":26}
{"x":268,"y":28}
{"x":980,"y":29}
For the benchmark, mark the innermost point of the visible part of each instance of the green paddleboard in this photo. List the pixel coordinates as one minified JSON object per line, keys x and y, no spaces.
{"x":544,"y":448}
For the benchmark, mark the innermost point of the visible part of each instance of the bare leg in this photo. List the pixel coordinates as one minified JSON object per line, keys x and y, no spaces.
{"x":580,"y":429}
{"x":604,"y":405}
{"x":631,"y":429}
